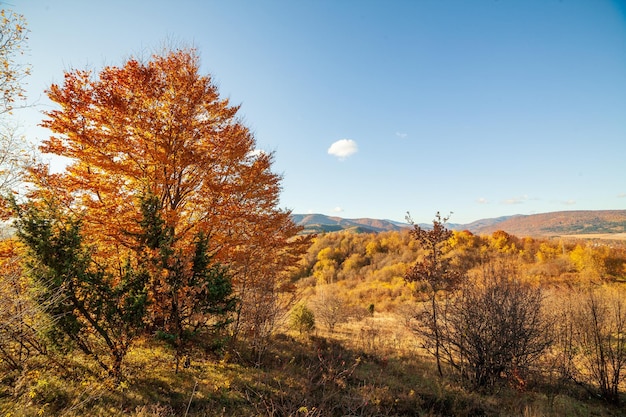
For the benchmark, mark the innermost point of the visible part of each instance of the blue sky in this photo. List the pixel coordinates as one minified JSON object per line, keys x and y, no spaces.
{"x":374,"y":108}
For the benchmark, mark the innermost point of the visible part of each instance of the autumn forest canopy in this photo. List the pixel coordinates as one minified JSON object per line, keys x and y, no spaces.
{"x":161,"y":246}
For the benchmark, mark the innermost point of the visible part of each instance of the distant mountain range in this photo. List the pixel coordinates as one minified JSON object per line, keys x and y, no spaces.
{"x":560,"y":223}
{"x":319,"y":223}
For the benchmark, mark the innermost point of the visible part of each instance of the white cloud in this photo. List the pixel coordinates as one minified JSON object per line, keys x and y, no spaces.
{"x":569,"y":202}
{"x":516,"y":200}
{"x":343,"y":148}
{"x":482,"y":200}
{"x":401,"y":135}
{"x":623,"y":195}
{"x":337,"y":209}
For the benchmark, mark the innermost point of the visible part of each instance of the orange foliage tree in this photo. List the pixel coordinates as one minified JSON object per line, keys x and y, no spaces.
{"x":158,"y":131}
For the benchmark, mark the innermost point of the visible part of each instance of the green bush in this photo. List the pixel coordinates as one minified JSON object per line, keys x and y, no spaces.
{"x":302,"y":319}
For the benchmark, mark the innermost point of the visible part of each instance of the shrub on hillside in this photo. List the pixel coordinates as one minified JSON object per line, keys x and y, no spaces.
{"x":302,"y":319}
{"x":495,"y":328}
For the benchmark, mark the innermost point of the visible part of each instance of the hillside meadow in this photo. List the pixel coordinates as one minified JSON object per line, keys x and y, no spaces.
{"x":362,"y":350}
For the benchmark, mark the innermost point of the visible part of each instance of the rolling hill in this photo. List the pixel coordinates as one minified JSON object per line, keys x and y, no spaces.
{"x":319,"y":223}
{"x":561,"y":223}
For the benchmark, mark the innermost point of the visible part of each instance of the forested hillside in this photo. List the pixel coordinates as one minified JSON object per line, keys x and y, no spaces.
{"x":371,"y":267}
{"x":355,"y":336}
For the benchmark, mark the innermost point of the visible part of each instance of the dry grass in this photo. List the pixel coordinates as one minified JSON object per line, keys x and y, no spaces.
{"x":380,"y":373}
{"x":602,"y":236}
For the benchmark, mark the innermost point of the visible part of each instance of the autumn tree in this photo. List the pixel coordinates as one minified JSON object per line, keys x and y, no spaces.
{"x":465,"y":249}
{"x":589,"y":262}
{"x":434,"y":270}
{"x":503,"y":242}
{"x":160,"y":128}
{"x":329,"y":307}
{"x":325,"y":269}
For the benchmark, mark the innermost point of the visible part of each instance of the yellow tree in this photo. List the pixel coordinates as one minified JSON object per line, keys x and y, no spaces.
{"x":158,"y":131}
{"x":465,"y":249}
{"x":503,"y":242}
{"x":589,"y":261}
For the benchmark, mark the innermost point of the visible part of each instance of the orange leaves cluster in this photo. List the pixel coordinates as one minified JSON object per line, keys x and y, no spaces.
{"x":10,"y":251}
{"x":159,"y":130}
{"x":160,"y":127}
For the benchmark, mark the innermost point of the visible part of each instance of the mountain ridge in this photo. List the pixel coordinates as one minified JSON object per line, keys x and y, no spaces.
{"x":320,"y":223}
{"x":558,"y":223}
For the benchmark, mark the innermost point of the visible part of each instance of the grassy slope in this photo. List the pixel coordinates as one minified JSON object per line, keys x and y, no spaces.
{"x":351,"y":372}
{"x":369,"y":367}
